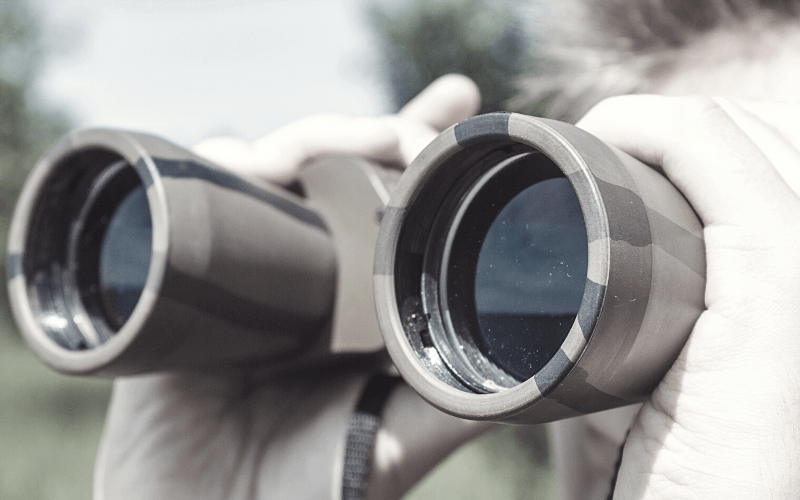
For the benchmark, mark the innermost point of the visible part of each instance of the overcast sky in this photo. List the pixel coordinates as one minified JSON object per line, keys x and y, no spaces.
{"x":188,"y":69}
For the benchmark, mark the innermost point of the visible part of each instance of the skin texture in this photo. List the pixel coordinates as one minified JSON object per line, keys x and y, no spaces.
{"x":724,"y":422}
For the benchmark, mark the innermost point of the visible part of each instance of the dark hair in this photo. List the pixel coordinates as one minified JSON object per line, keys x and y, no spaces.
{"x":590,"y":50}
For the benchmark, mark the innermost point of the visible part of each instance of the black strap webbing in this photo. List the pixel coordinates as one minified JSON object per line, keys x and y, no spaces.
{"x":361,"y":430}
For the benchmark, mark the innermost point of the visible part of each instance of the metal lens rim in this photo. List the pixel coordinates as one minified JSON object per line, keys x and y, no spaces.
{"x":401,"y":242}
{"x":22,"y":285}
{"x":454,"y":263}
{"x":106,"y":195}
{"x":78,"y":194}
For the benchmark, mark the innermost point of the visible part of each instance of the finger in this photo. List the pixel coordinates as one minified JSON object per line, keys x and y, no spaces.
{"x":722,"y":172}
{"x":277,"y":156}
{"x":448,"y":100}
{"x":413,"y":136}
{"x":771,"y":127}
{"x":388,"y":139}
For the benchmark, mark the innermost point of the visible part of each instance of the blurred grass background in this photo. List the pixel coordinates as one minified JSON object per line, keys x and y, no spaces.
{"x":508,"y":464}
{"x":50,"y":424}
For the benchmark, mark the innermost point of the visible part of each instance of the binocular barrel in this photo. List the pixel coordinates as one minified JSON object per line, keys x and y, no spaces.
{"x":527,"y":272}
{"x":128,"y":254}
{"x":523,"y":272}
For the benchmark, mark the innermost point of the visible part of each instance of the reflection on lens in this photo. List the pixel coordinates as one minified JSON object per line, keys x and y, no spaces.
{"x":125,"y":257}
{"x":530,"y":277}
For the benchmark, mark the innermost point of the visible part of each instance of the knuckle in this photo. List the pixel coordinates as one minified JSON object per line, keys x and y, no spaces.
{"x":698,"y":105}
{"x":698,"y":112}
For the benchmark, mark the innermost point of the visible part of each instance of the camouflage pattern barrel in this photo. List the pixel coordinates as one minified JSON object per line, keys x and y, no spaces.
{"x":204,"y":268}
{"x":478,"y":304}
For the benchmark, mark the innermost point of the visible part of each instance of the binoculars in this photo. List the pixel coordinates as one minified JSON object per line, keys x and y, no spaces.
{"x":519,"y":271}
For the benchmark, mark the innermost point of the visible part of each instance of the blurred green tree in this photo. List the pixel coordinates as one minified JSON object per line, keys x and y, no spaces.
{"x":26,"y":128}
{"x":422,"y":40}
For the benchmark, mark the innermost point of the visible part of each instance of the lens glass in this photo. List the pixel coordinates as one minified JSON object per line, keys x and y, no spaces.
{"x":125,"y":256}
{"x":530,"y":277}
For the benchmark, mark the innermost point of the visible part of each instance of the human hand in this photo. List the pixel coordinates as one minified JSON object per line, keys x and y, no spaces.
{"x":390,"y":139}
{"x":725,"y":420}
{"x":238,"y":434}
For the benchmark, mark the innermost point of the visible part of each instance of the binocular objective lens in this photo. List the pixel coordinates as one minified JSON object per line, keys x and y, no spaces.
{"x":125,"y":256}
{"x":504,"y":268}
{"x":530,"y":277}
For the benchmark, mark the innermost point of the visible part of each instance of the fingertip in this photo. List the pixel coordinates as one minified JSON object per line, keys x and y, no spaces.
{"x":461,"y":88}
{"x":446,"y":101}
